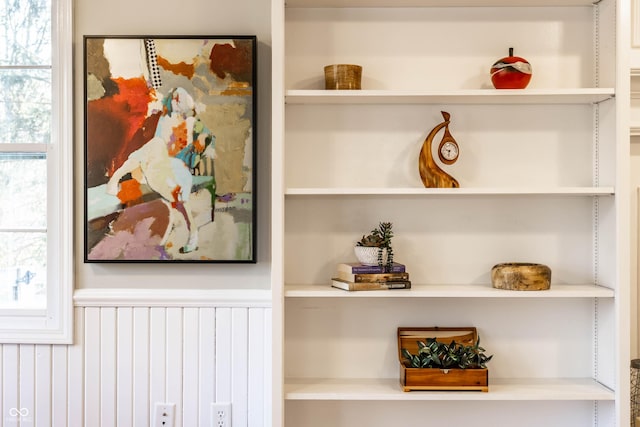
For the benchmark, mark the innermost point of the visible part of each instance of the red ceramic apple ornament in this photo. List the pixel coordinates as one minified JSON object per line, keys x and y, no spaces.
{"x":511,"y":72}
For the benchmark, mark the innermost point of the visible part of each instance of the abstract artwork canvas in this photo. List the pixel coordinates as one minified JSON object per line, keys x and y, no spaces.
{"x":170,"y":149}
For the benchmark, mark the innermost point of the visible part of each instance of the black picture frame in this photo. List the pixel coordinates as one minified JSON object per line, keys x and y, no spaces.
{"x":170,"y":149}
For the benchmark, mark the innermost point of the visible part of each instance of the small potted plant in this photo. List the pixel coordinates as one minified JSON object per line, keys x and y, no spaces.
{"x":375,"y":248}
{"x":435,"y":354}
{"x":440,"y":363}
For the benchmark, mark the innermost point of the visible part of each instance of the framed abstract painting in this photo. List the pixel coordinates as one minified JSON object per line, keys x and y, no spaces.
{"x":170,"y":149}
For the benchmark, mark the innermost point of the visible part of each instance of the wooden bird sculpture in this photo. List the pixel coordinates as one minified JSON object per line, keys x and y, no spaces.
{"x":432,"y":175}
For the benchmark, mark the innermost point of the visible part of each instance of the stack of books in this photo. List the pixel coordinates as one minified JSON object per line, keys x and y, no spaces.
{"x":353,"y":276}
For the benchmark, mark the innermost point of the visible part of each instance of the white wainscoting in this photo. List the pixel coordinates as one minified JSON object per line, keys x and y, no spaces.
{"x":136,"y":348}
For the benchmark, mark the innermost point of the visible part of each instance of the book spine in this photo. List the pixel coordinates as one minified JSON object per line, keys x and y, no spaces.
{"x":382,"y":277}
{"x":374,"y":277}
{"x":370,"y":286}
{"x":374,"y":269}
{"x":405,"y":284}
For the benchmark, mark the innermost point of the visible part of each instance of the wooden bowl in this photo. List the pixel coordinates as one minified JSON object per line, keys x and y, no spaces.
{"x":521,"y":276}
{"x":342,"y":76}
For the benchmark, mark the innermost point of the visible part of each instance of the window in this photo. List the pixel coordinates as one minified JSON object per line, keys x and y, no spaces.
{"x":35,"y":171}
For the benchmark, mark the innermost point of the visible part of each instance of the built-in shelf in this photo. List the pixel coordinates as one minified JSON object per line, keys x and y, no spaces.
{"x":491,"y":191}
{"x":472,"y":96}
{"x":450,"y":291}
{"x":557,"y":389}
{"x":561,"y":199}
{"x":435,"y":3}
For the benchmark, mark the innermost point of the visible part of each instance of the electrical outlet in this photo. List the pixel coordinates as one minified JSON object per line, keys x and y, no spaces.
{"x":164,"y":414}
{"x":221,"y":414}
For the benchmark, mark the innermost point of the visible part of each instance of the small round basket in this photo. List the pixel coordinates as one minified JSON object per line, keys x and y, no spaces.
{"x":516,"y":276}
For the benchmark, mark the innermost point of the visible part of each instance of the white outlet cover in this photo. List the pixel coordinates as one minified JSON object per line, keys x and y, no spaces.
{"x":164,"y":414}
{"x":221,"y":414}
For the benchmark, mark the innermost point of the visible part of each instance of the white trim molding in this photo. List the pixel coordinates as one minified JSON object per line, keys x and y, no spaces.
{"x":253,"y":298}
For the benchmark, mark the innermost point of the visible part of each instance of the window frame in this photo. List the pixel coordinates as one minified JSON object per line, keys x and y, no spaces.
{"x":55,"y":324}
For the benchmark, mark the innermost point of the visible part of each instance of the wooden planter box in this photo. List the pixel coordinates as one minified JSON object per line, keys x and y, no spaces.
{"x":434,"y":378}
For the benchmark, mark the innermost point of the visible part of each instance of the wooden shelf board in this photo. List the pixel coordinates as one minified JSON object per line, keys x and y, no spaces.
{"x":556,"y":389}
{"x":471,"y":96}
{"x":450,"y":291}
{"x":493,"y":191}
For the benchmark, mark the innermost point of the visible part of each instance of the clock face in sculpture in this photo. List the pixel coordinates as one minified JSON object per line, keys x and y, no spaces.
{"x":448,"y":152}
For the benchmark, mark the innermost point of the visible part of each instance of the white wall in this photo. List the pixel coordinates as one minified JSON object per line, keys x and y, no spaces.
{"x":184,"y":17}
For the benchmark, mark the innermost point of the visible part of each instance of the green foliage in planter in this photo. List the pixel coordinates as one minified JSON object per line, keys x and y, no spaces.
{"x":435,"y":354}
{"x":380,"y":238}
{"x":370,"y":241}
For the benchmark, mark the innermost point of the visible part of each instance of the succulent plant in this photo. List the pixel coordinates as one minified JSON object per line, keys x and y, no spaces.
{"x":380,"y":237}
{"x":435,"y":354}
{"x":370,"y":241}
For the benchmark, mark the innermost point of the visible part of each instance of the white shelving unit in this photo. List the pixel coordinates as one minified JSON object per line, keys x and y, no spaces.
{"x":544,"y":178}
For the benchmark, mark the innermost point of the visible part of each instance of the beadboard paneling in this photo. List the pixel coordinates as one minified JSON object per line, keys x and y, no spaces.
{"x":126,"y":357}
